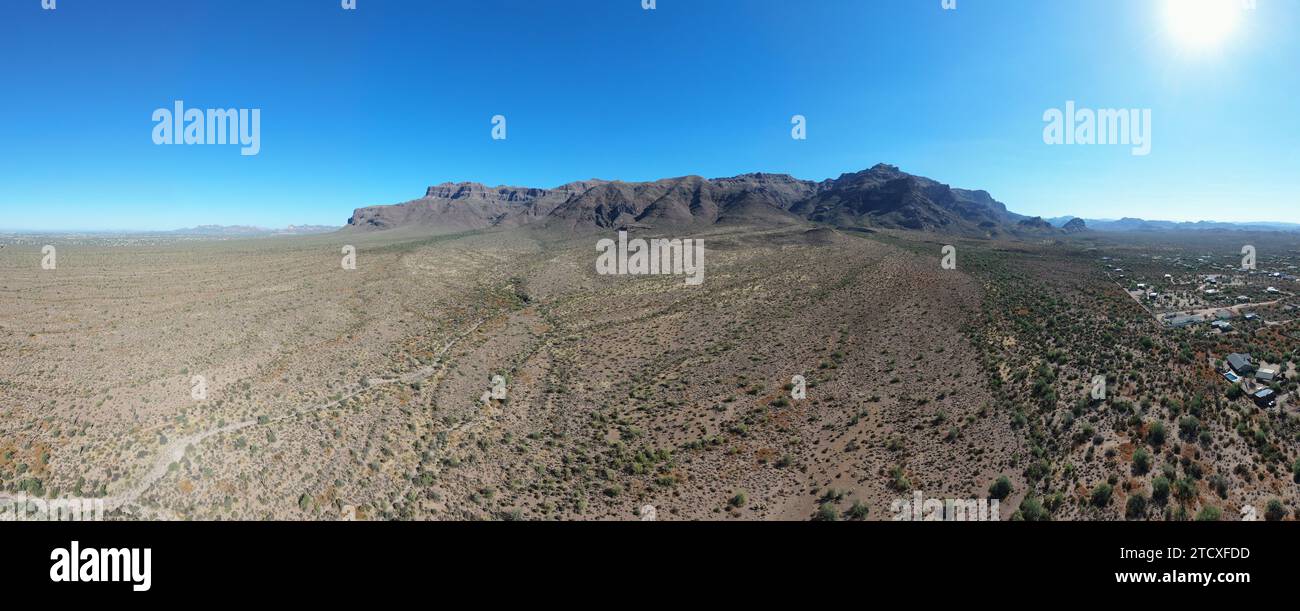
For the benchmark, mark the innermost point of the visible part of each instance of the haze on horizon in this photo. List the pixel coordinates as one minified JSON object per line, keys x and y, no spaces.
{"x":371,"y":106}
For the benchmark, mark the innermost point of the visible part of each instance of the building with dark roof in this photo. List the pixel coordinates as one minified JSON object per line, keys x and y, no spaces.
{"x":1241,"y":364}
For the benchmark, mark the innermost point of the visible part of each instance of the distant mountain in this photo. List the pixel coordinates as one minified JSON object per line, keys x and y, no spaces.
{"x":244,"y":231}
{"x":1075,"y":226}
{"x":211,"y":232}
{"x":1136,"y":224}
{"x":1034,"y":224}
{"x":882,"y":196}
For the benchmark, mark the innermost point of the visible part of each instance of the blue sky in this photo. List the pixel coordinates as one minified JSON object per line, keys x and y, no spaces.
{"x":371,"y":106}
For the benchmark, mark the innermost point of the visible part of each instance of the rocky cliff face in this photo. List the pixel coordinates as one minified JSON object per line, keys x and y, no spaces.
{"x":882,"y":196}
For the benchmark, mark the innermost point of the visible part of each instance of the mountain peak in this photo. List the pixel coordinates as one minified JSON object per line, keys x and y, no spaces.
{"x":882,"y":196}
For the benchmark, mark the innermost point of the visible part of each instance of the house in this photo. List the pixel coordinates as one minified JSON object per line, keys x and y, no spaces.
{"x":1265,"y":376}
{"x":1183,"y":320}
{"x":1243,"y":299}
{"x":1252,"y":316}
{"x":1240,"y":363}
{"x":1221,"y":325}
{"x":1265,"y":398}
{"x":1273,"y":290}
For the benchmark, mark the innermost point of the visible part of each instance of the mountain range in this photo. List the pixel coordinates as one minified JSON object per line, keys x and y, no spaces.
{"x":250,"y":231}
{"x":1136,"y":224}
{"x":881,"y":197}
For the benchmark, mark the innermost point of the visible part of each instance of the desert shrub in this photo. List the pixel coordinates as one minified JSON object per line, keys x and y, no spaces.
{"x":1101,"y":494}
{"x":1220,"y":485}
{"x":1141,"y":461}
{"x":1156,"y":434}
{"x":1136,"y":508}
{"x":1001,"y":488}
{"x":1209,"y":513}
{"x":1160,"y":488}
{"x":1032,"y":510}
{"x":900,"y":481}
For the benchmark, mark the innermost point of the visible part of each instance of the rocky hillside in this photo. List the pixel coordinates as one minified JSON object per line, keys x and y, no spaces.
{"x":882,"y":196}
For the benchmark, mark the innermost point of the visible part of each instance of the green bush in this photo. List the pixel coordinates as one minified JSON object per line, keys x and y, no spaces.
{"x":1001,"y":488}
{"x":1101,"y":494}
{"x":1141,"y":461}
{"x":1136,"y":508}
{"x":1160,"y":488}
{"x":1156,"y":434}
{"x":1032,"y":510}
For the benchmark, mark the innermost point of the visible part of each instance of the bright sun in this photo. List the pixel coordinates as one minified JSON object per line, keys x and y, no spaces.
{"x":1201,"y":24}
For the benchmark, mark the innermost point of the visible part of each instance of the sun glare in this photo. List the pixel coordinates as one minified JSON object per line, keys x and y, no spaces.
{"x":1201,"y":24}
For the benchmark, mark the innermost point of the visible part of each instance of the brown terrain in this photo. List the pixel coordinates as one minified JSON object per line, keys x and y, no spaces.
{"x":369,"y":393}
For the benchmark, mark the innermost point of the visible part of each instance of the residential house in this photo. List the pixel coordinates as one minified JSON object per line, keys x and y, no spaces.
{"x":1240,"y":363}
